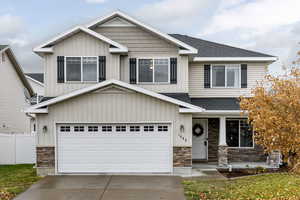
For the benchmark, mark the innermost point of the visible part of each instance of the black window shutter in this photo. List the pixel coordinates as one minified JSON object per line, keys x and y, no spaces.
{"x":173,"y":70}
{"x":244,"y":75}
{"x":102,"y":68}
{"x":132,"y":70}
{"x":206,"y":76}
{"x":60,"y":69}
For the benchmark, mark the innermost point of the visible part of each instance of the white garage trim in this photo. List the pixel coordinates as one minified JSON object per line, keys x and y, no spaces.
{"x":156,"y":123}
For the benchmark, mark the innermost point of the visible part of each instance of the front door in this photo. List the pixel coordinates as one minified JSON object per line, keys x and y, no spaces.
{"x":199,"y":149}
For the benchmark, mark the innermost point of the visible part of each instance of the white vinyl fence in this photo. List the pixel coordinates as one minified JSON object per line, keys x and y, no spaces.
{"x":17,"y":149}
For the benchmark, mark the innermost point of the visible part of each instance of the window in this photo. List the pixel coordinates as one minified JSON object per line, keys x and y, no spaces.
{"x":93,"y":128}
{"x":81,"y":69}
{"x":106,"y":128}
{"x":65,"y":129}
{"x":162,"y":128}
{"x":153,"y":70}
{"x":227,"y":76}
{"x":134,"y":128}
{"x":148,"y":128}
{"x":121,"y":128}
{"x":238,"y":133}
{"x":78,"y":128}
{"x":89,"y":69}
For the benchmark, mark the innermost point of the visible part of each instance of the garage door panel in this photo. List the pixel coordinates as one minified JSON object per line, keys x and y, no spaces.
{"x":146,"y":149}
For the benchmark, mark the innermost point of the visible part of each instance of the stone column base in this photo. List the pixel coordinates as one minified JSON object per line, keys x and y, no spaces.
{"x":45,"y":171}
{"x":223,"y":156}
{"x":182,"y":156}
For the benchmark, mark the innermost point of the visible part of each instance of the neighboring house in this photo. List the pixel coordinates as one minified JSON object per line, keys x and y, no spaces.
{"x":15,"y":93}
{"x":36,"y":81}
{"x":121,"y":96}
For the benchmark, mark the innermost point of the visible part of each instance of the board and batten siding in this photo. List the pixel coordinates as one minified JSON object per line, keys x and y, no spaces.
{"x":255,"y":72}
{"x":12,"y":100}
{"x":143,"y":44}
{"x":114,"y":106}
{"x":80,"y":44}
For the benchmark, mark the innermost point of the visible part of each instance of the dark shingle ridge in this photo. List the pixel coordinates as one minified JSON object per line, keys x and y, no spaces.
{"x":212,"y":49}
{"x":3,"y":46}
{"x":36,"y":76}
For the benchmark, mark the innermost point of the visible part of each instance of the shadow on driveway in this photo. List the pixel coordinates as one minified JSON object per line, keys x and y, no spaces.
{"x":105,"y":188}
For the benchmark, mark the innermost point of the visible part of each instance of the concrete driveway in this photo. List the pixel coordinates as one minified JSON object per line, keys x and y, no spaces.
{"x":105,"y":188}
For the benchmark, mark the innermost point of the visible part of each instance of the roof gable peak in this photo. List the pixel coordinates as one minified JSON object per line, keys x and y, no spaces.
{"x":187,"y":49}
{"x":46,"y":47}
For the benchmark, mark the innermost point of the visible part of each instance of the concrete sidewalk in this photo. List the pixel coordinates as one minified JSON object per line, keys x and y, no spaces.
{"x":105,"y":187}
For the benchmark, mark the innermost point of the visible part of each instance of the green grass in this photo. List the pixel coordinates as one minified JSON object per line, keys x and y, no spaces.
{"x":270,"y":186}
{"x":15,"y":179}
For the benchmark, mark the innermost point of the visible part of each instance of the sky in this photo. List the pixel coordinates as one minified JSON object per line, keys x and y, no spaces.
{"x":267,"y":26}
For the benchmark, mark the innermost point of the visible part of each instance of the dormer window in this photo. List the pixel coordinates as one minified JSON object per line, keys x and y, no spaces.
{"x":153,"y":70}
{"x":81,"y":69}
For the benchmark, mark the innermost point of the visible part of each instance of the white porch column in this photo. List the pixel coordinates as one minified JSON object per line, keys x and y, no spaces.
{"x":223,"y":149}
{"x":222,"y":132}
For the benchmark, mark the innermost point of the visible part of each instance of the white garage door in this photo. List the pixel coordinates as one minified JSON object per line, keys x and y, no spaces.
{"x":109,"y":148}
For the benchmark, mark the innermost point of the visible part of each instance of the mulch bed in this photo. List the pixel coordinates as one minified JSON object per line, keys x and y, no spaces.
{"x":249,"y":172}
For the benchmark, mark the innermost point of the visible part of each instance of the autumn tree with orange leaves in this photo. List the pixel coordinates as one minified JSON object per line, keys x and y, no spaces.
{"x":274,"y":113}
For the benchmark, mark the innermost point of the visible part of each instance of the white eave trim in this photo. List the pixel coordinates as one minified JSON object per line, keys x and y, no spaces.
{"x":37,"y":82}
{"x":39,"y":110}
{"x":213,"y":112}
{"x":190,"y":49}
{"x":42,"y":49}
{"x":118,"y":83}
{"x":217,"y":59}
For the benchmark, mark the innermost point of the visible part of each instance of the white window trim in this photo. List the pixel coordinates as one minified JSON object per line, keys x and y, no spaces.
{"x":226,"y":66}
{"x":239,"y":147}
{"x":153,"y":81}
{"x":81,"y":69}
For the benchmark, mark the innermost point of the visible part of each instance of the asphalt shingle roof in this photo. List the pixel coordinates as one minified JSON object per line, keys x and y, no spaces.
{"x":179,"y":96}
{"x":37,"y":76}
{"x":217,"y":103}
{"x":213,"y":49}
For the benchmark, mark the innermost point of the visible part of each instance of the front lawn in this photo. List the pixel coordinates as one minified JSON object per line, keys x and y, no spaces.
{"x":15,"y":179}
{"x":281,"y":186}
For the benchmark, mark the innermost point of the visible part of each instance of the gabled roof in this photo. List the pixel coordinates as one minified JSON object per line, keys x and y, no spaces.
{"x":188,"y":48}
{"x":39,"y":107}
{"x":17,"y":66}
{"x":36,"y":77}
{"x":211,"y":51}
{"x":47,"y":46}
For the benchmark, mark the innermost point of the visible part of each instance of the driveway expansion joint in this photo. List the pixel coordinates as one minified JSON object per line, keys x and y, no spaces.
{"x":106,"y":187}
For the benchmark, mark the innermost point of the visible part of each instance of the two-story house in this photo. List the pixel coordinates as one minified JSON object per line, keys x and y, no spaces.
{"x":124,"y":97}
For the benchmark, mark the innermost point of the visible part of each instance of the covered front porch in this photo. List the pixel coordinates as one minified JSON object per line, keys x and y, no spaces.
{"x":225,"y":141}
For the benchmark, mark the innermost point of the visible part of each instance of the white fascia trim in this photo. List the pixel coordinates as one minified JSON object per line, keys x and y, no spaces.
{"x":188,"y":110}
{"x":41,"y":49}
{"x":37,"y":82}
{"x":36,"y":111}
{"x":213,"y":112}
{"x":224,"y":112}
{"x":116,"y":82}
{"x":204,"y":59}
{"x":190,"y":49}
